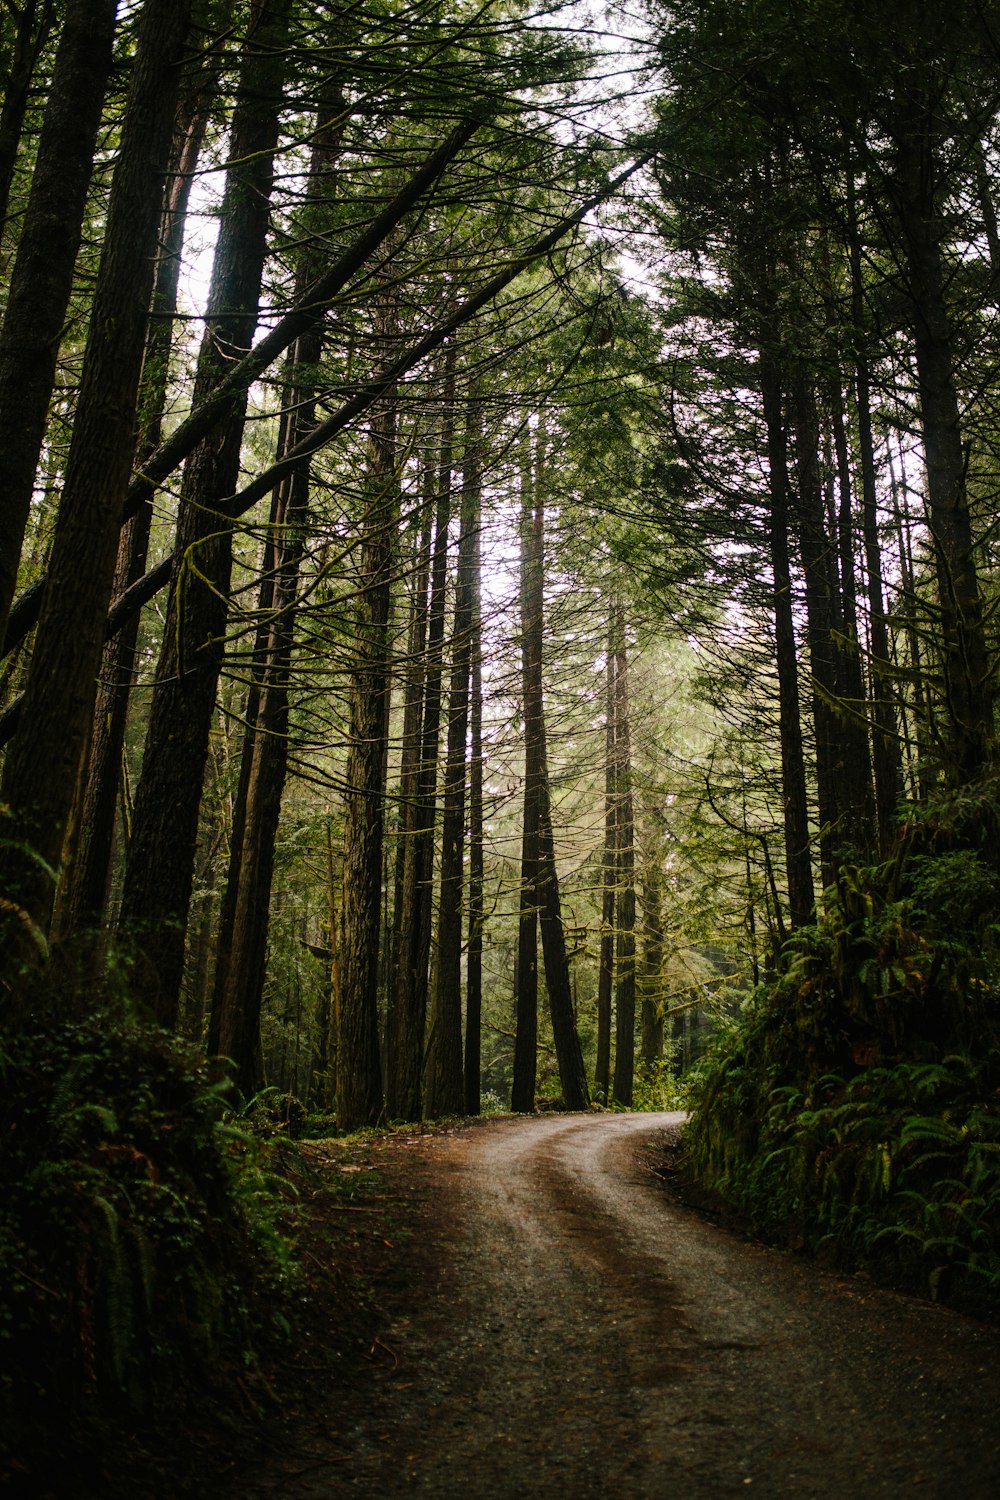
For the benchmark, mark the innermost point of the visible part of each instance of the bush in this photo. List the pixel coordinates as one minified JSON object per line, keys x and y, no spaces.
{"x":854,"y":1107}
{"x":138,"y":1238}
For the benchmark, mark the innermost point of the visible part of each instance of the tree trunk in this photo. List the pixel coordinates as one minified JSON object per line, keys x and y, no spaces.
{"x":526,"y":975}
{"x":887,"y":766}
{"x":798,"y":862}
{"x":859,"y":804}
{"x":817,"y":563}
{"x":624,"y":1076}
{"x":42,"y":277}
{"x":606,"y":965}
{"x":359,"y":1082}
{"x":43,"y":769}
{"x":474,"y":958}
{"x":415,"y":948}
{"x":651,"y":1035}
{"x":572,"y":1074}
{"x":90,"y":876}
{"x":968,"y":677}
{"x":445,"y":1080}
{"x":158,"y":872}
{"x":32,"y":26}
{"x":243,"y":925}
{"x":404,"y":1028}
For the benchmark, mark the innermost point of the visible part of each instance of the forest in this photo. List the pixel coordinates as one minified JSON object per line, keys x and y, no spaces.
{"x":498,"y":583}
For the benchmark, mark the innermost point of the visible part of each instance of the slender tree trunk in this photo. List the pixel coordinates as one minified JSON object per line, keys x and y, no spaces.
{"x":359,"y":1082}
{"x":158,"y":872}
{"x":243,"y":926}
{"x":817,"y":558}
{"x":404,"y":1028}
{"x":886,"y":757}
{"x":474,"y":958}
{"x":606,"y":966}
{"x":32,"y":26}
{"x":572,"y":1074}
{"x":526,"y":975}
{"x":859,"y":803}
{"x":42,"y":277}
{"x":798,"y":862}
{"x":923,"y":741}
{"x":968,"y":675}
{"x":624,"y":1076}
{"x":324,"y":1062}
{"x":90,"y":875}
{"x":415,"y":950}
{"x":43,"y":769}
{"x":651,"y":1035}
{"x":445,"y":1080}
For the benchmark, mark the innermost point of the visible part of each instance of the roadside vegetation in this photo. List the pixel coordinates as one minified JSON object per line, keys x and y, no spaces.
{"x":853,"y":1107}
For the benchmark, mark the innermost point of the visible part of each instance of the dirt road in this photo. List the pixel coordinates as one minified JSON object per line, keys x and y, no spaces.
{"x":574,"y":1331}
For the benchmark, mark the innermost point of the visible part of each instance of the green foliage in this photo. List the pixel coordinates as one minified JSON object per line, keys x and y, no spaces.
{"x":139,"y":1232}
{"x":853,"y":1106}
{"x":655,"y":1088}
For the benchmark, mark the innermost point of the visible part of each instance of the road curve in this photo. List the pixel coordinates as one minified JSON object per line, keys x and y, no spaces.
{"x":576,"y":1332}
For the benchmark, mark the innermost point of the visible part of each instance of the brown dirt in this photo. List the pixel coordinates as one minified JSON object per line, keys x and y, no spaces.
{"x":560,"y":1322}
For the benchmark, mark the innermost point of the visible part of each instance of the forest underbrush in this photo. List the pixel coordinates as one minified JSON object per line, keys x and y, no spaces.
{"x":165,"y":1266}
{"x":852,"y":1109}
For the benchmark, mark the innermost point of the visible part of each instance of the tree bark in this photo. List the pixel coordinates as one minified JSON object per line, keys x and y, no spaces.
{"x":624,"y":1075}
{"x":359,"y":1080}
{"x":968,"y":676}
{"x":245,"y":915}
{"x":42,"y":276}
{"x":606,"y":962}
{"x":43,"y":769}
{"x":32,"y":26}
{"x":572,"y":1075}
{"x":526,"y":974}
{"x":415,"y":948}
{"x":404,"y":1028}
{"x":445,"y":1077}
{"x":852,"y":698}
{"x":887,"y":767}
{"x":651,"y":1033}
{"x":817,"y":558}
{"x":158,"y":872}
{"x":90,"y":874}
{"x":474,"y":957}
{"x":798,"y":861}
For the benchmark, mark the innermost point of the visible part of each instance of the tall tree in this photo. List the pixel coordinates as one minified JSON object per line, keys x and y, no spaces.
{"x":90,"y":872}
{"x":572,"y":1074}
{"x":526,"y":973}
{"x":445,"y":1081}
{"x":609,"y":879}
{"x":244,"y":914}
{"x":42,"y":276}
{"x":24,"y":33}
{"x":476,"y":904}
{"x":158,"y":873}
{"x":359,"y":1072}
{"x":43,"y":769}
{"x":624,"y":1075}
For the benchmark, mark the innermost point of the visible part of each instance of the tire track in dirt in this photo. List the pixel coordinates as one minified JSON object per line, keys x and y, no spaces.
{"x":571,"y":1329}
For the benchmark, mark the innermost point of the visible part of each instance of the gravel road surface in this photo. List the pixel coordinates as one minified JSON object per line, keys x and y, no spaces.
{"x":570,"y":1329}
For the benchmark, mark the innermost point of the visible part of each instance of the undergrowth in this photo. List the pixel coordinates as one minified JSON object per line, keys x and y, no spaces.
{"x":853,"y":1108}
{"x":142,"y":1261}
